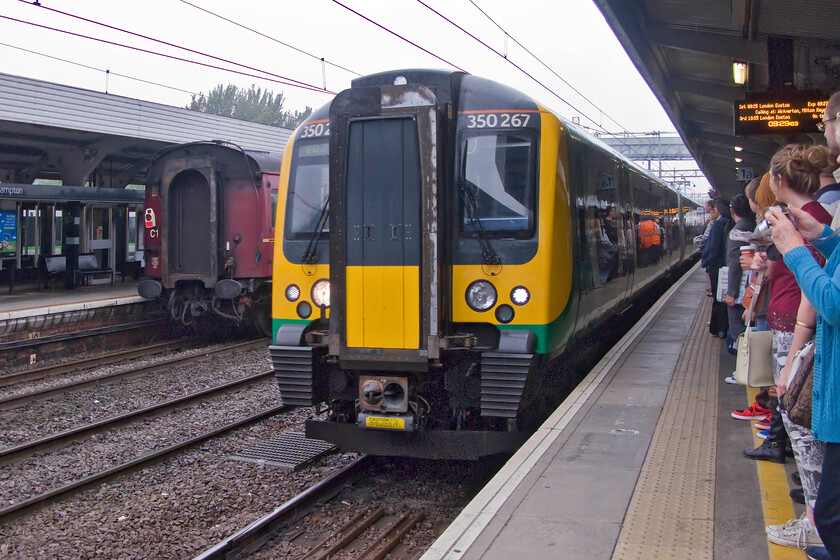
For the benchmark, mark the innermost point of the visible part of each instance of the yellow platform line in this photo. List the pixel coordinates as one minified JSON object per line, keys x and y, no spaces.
{"x":775,"y":498}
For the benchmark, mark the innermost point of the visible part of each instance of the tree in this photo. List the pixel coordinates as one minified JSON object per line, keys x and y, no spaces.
{"x":253,"y":105}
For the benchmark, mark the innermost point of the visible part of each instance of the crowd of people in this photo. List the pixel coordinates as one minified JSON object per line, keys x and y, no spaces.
{"x":794,"y":270}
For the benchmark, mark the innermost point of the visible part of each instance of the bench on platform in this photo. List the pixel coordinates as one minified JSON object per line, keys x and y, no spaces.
{"x":54,"y":266}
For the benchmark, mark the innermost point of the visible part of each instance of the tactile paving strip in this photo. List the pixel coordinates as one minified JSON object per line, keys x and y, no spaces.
{"x":671,"y":514}
{"x":289,"y":451}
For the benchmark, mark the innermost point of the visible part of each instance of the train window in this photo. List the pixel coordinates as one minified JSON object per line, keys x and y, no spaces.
{"x":309,"y":187}
{"x":498,"y":184}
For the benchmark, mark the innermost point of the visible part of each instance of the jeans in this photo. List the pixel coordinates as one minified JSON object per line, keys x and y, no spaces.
{"x":827,"y":510}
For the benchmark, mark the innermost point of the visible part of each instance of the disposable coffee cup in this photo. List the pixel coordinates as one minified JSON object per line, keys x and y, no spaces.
{"x":748,"y":250}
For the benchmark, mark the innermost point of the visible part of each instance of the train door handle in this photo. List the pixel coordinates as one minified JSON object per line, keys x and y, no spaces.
{"x":395,"y":231}
{"x":368,"y":232}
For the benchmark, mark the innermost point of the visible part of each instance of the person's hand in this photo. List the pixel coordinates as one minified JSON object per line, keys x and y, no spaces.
{"x":746,"y":261}
{"x":759,"y":261}
{"x":729,"y":300}
{"x":781,"y":385}
{"x":784,"y":233}
{"x":808,"y":226}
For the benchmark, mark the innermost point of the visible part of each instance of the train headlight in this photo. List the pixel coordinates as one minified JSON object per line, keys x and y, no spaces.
{"x":481,"y":295}
{"x":520,"y":295}
{"x":292,"y":292}
{"x":321,"y":293}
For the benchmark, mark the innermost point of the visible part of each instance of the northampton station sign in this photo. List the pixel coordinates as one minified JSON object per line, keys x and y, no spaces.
{"x":786,"y":112}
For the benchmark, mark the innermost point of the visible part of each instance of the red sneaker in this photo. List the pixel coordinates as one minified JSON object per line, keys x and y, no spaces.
{"x":763,"y":424}
{"x":752,"y":412}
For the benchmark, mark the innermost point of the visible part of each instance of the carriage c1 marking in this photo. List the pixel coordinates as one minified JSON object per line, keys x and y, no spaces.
{"x":315,"y":129}
{"x":497,"y":120}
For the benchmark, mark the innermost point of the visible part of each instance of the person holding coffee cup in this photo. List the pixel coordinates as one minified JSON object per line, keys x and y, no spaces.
{"x":744,"y":218}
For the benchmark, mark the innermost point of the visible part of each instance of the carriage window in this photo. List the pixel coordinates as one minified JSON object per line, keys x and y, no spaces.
{"x":309,"y":187}
{"x":498,"y":195}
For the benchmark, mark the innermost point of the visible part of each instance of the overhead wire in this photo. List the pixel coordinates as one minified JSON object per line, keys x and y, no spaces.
{"x":173,"y":57}
{"x":98,"y":69}
{"x":548,"y":89}
{"x":289,"y":81}
{"x":395,"y":34}
{"x":270,"y":38}
{"x":538,"y":59}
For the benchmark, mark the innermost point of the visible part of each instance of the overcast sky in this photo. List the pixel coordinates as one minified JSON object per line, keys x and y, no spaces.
{"x":569,"y":36}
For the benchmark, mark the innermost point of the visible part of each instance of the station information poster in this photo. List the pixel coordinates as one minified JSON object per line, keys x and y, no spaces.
{"x":784,"y":112}
{"x":8,"y":233}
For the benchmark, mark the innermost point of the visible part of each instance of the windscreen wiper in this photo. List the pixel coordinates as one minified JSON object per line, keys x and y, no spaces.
{"x":310,"y":256}
{"x":468,"y":196}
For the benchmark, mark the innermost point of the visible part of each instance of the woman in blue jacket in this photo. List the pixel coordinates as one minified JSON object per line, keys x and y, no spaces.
{"x":822,"y":288}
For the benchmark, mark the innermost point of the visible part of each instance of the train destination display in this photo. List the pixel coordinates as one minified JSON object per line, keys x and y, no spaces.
{"x":779,"y":112}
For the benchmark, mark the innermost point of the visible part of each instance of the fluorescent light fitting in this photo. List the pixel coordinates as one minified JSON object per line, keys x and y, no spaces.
{"x":738,"y":160}
{"x":739,"y":72}
{"x":739,"y":149}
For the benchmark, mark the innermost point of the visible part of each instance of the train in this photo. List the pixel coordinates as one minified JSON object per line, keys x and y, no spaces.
{"x":441,"y":239}
{"x":209,"y":234}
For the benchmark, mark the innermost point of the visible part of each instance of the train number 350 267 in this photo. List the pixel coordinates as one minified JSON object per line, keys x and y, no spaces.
{"x":498,"y":120}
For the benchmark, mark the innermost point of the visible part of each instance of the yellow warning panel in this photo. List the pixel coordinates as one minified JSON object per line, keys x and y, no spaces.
{"x":383,"y":307}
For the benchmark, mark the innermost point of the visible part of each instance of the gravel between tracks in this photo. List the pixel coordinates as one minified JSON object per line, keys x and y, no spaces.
{"x":41,"y":418}
{"x":175,"y":509}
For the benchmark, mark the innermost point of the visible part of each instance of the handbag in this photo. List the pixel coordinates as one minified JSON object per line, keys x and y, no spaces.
{"x":754,"y":360}
{"x":797,"y":398}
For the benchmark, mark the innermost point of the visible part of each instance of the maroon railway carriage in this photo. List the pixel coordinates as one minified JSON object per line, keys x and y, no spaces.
{"x":209,"y":232}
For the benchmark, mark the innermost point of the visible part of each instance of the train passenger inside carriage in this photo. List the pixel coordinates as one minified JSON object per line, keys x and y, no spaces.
{"x":649,"y":239}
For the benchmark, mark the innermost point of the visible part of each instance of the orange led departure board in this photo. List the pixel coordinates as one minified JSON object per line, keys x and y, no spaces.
{"x":785,"y":112}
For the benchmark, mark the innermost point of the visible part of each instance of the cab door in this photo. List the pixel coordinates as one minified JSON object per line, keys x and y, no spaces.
{"x":383,"y":246}
{"x":383,"y":209}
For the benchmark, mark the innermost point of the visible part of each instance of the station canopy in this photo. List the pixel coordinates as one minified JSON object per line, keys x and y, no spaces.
{"x":786,"y":52}
{"x":88,"y":138}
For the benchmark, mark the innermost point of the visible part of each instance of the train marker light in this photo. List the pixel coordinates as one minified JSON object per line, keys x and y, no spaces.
{"x":504,"y":313}
{"x":304,"y":309}
{"x":520,"y":295}
{"x":292,"y":292}
{"x":481,"y":295}
{"x":321,"y":293}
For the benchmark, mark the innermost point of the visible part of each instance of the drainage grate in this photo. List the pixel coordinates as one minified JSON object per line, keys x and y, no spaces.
{"x":289,"y":451}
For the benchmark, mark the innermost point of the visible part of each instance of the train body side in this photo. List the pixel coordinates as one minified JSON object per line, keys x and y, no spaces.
{"x":465,"y":236}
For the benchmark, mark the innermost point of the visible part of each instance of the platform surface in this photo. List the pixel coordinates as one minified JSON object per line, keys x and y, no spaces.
{"x":31,"y":299}
{"x":642,"y":461}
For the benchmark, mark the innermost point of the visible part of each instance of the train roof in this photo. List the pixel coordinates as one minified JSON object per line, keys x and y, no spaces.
{"x":265,"y":161}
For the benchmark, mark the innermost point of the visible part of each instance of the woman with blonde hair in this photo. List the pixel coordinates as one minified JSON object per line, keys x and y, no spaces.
{"x":794,"y":178}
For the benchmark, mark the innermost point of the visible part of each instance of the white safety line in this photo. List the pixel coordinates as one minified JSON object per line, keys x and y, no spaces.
{"x":456,"y":540}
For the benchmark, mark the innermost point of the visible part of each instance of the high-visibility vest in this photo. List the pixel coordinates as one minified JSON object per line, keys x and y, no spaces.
{"x":648,"y":234}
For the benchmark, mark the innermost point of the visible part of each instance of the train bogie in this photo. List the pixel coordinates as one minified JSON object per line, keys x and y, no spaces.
{"x":209,"y":232}
{"x":464,"y":235}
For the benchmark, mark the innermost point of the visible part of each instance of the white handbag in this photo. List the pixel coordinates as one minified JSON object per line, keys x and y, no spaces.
{"x":754,"y":362}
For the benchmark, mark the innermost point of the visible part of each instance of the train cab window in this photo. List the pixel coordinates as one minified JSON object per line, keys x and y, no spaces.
{"x":309,"y":187}
{"x":497,"y":185}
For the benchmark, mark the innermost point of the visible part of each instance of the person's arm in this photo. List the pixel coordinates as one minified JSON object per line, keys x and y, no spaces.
{"x":822,"y":291}
{"x":803,"y":331}
{"x":826,"y":243}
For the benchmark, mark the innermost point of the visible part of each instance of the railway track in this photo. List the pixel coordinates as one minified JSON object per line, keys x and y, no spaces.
{"x":50,"y":392}
{"x":111,"y":358}
{"x":26,"y":506}
{"x":258,"y":533}
{"x":42,"y":444}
